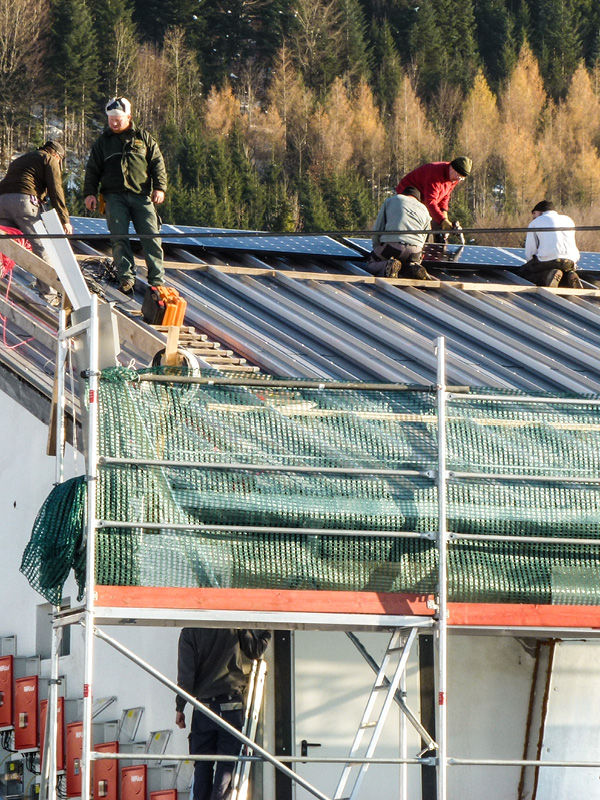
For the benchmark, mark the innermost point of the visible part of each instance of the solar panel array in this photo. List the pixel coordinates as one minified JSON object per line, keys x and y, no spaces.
{"x":290,"y":245}
{"x":317,"y":245}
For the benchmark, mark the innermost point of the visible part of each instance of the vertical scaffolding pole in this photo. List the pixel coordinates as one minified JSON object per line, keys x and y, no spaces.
{"x":90,"y":581}
{"x":442,"y":628}
{"x":48,"y":768}
{"x":403,"y":744}
{"x":62,"y":350}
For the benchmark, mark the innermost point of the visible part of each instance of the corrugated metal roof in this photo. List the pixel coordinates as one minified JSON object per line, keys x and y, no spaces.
{"x":327,"y":325}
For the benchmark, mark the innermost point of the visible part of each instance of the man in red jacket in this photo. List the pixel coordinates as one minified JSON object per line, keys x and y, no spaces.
{"x":436,"y":182}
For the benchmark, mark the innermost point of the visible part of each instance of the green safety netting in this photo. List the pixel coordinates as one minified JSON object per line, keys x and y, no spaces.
{"x":243,"y":525}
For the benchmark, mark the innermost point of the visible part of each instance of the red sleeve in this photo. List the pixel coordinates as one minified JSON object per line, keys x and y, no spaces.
{"x":432,"y":181}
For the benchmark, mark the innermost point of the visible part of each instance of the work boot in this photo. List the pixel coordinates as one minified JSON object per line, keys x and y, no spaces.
{"x":552,"y":278}
{"x":126,"y":285}
{"x":418,"y":272}
{"x":393,"y":268}
{"x":573,"y":280}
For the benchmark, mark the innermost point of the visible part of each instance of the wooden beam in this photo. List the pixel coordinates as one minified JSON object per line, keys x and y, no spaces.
{"x":505,"y":615}
{"x":171,"y":357}
{"x":32,"y":263}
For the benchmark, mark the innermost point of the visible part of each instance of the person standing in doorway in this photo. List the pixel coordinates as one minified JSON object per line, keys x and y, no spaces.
{"x":210,"y":667}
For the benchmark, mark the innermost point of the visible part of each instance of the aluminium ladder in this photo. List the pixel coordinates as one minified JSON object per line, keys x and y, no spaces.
{"x":375,"y":713}
{"x":256,"y":685}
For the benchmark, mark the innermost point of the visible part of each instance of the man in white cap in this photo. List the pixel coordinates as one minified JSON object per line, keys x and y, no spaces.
{"x":127,"y":167}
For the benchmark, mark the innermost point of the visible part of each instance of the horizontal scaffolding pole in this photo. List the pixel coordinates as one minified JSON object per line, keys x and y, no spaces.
{"x":492,"y":537}
{"x":154,"y":462}
{"x":153,"y":526}
{"x":242,"y":234}
{"x":104,"y":756}
{"x":431,"y":535}
{"x":512,"y":398}
{"x":489,"y":762}
{"x":293,"y":384}
{"x":506,"y":476}
{"x":366,"y":470}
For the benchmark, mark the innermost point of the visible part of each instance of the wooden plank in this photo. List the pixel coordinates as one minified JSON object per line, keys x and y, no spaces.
{"x":143,"y":338}
{"x":328,"y":277}
{"x":32,"y":263}
{"x":508,"y":615}
{"x":51,"y":444}
{"x":263,"y":600}
{"x":171,"y":359}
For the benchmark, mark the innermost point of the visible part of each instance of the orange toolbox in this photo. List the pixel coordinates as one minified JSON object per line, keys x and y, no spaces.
{"x":175,"y":306}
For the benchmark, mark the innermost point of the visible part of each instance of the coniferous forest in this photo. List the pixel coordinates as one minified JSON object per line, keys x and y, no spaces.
{"x":290,"y":115}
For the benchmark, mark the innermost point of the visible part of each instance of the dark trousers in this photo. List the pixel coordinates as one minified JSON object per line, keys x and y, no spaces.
{"x":212,"y":779}
{"x":537,"y":271}
{"x":405,"y":253}
{"x":126,"y":207}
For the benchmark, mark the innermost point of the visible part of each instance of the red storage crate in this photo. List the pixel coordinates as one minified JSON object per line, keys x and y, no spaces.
{"x":60,"y":732}
{"x":7,"y":719}
{"x":74,"y":752}
{"x":26,"y":713}
{"x":133,"y":782}
{"x":165,"y":794}
{"x":106,"y":773}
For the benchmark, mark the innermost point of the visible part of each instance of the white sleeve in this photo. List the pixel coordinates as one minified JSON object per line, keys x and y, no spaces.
{"x":531,"y":245}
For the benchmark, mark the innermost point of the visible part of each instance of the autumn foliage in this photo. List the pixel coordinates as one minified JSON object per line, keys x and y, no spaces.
{"x":299,"y":115}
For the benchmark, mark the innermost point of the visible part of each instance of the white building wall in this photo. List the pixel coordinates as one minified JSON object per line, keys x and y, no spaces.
{"x":489,"y":676}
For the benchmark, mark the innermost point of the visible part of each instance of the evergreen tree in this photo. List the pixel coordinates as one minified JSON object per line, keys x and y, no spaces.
{"x":348,"y":200}
{"x":354,"y":54}
{"x":279,"y":211}
{"x":426,"y":47}
{"x":73,"y":55}
{"x":154,"y":17}
{"x":316,"y":42}
{"x":399,"y":15}
{"x":557,"y":43}
{"x":457,"y":20}
{"x":114,"y":26}
{"x":495,"y":37}
{"x":313,"y":209}
{"x":240,"y":31}
{"x":388,"y":73}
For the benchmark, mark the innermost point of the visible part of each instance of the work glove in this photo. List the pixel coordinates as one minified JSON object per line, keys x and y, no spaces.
{"x":446,"y":224}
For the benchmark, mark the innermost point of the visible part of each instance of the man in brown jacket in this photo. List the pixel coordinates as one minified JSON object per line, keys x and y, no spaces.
{"x":29,"y":181}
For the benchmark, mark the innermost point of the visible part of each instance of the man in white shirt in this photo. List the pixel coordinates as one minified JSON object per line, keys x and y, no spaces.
{"x":551,"y":254}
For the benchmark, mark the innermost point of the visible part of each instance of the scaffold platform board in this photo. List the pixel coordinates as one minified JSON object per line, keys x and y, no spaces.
{"x":323,"y":610}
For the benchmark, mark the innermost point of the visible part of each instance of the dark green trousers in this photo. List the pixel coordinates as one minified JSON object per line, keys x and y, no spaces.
{"x":121,"y":210}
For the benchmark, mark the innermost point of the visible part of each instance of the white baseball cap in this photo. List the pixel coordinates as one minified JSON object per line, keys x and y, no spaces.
{"x":118,"y":107}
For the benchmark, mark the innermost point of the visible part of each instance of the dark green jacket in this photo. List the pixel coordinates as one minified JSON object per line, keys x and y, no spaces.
{"x":37,"y":173}
{"x":128,"y":161}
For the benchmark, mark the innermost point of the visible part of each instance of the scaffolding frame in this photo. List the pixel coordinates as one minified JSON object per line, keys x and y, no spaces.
{"x":92,"y":614}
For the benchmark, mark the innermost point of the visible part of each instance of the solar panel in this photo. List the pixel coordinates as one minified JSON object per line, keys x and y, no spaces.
{"x":83,"y":225}
{"x":291,"y":245}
